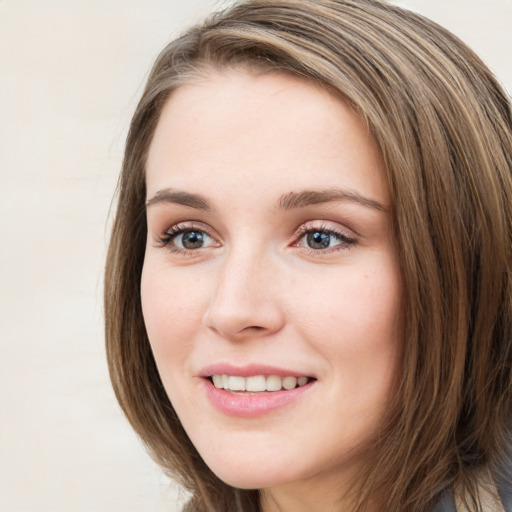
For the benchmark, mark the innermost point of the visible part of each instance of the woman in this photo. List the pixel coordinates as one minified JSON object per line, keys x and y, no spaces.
{"x":308,"y":289}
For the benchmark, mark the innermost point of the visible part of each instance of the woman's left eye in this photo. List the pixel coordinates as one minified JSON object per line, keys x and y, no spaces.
{"x":322,"y":239}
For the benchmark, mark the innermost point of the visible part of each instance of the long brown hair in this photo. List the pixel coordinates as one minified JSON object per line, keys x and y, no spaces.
{"x":444,"y":127}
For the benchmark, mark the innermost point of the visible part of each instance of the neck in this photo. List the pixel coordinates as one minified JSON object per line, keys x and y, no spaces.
{"x":304,"y":496}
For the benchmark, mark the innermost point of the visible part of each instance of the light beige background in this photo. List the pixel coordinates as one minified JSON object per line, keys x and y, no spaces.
{"x":71,"y":72}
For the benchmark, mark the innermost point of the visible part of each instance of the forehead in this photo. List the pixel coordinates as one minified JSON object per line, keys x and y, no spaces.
{"x":244,"y":127}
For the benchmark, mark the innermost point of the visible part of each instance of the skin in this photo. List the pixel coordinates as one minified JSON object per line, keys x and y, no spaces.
{"x":258,"y":291}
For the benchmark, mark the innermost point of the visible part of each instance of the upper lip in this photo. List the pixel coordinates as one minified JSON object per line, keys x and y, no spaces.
{"x":248,"y":370}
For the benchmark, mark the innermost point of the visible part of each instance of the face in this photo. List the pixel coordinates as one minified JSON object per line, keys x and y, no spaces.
{"x":271,"y":290}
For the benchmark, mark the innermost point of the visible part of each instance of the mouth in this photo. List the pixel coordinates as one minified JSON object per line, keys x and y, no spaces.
{"x":258,"y":383}
{"x":254,"y":390}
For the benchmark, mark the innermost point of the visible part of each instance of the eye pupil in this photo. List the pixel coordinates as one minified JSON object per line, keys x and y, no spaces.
{"x":192,"y":239}
{"x":318,"y":240}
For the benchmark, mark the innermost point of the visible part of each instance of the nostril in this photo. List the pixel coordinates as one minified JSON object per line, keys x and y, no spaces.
{"x":253,"y":329}
{"x":236,"y":320}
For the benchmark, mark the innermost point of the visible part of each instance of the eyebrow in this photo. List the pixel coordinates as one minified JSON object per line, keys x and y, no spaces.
{"x":289,"y":201}
{"x":311,"y":197}
{"x":169,"y":195}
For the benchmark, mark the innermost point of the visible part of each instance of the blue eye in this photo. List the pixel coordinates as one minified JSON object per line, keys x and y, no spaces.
{"x":191,"y":239}
{"x":182,"y":239}
{"x":318,"y":240}
{"x":321,"y":239}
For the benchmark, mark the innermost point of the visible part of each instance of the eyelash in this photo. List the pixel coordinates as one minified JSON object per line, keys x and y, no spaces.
{"x":166,"y":239}
{"x":345,"y":240}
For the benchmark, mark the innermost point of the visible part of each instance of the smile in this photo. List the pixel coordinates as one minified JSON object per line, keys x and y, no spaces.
{"x":255,"y":395}
{"x":257,"y":383}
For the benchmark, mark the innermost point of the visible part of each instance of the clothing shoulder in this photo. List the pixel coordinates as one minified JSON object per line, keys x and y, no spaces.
{"x":494,"y":497}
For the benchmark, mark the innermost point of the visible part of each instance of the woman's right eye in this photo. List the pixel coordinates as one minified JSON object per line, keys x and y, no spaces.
{"x":192,"y":240}
{"x":181,"y":239}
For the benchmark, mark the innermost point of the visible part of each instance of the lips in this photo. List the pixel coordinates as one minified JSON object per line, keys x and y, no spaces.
{"x":253,"y":390}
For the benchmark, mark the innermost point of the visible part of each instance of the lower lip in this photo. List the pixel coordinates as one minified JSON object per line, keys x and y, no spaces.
{"x":248,"y":405}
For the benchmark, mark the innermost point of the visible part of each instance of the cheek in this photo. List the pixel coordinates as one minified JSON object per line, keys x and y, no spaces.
{"x":349,"y":303}
{"x":172,"y":307}
{"x":355,"y":323}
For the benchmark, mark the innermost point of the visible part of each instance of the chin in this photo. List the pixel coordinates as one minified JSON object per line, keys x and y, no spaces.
{"x":252,"y":475}
{"x":251,"y":479}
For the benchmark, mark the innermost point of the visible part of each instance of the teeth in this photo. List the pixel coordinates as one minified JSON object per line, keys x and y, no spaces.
{"x":218,"y":381}
{"x":236,"y":383}
{"x":302,"y":381}
{"x":274,"y":383}
{"x":257,"y":383}
{"x":289,"y":382}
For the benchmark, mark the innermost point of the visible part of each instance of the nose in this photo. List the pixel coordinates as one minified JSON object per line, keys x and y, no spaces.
{"x":245,"y":301}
